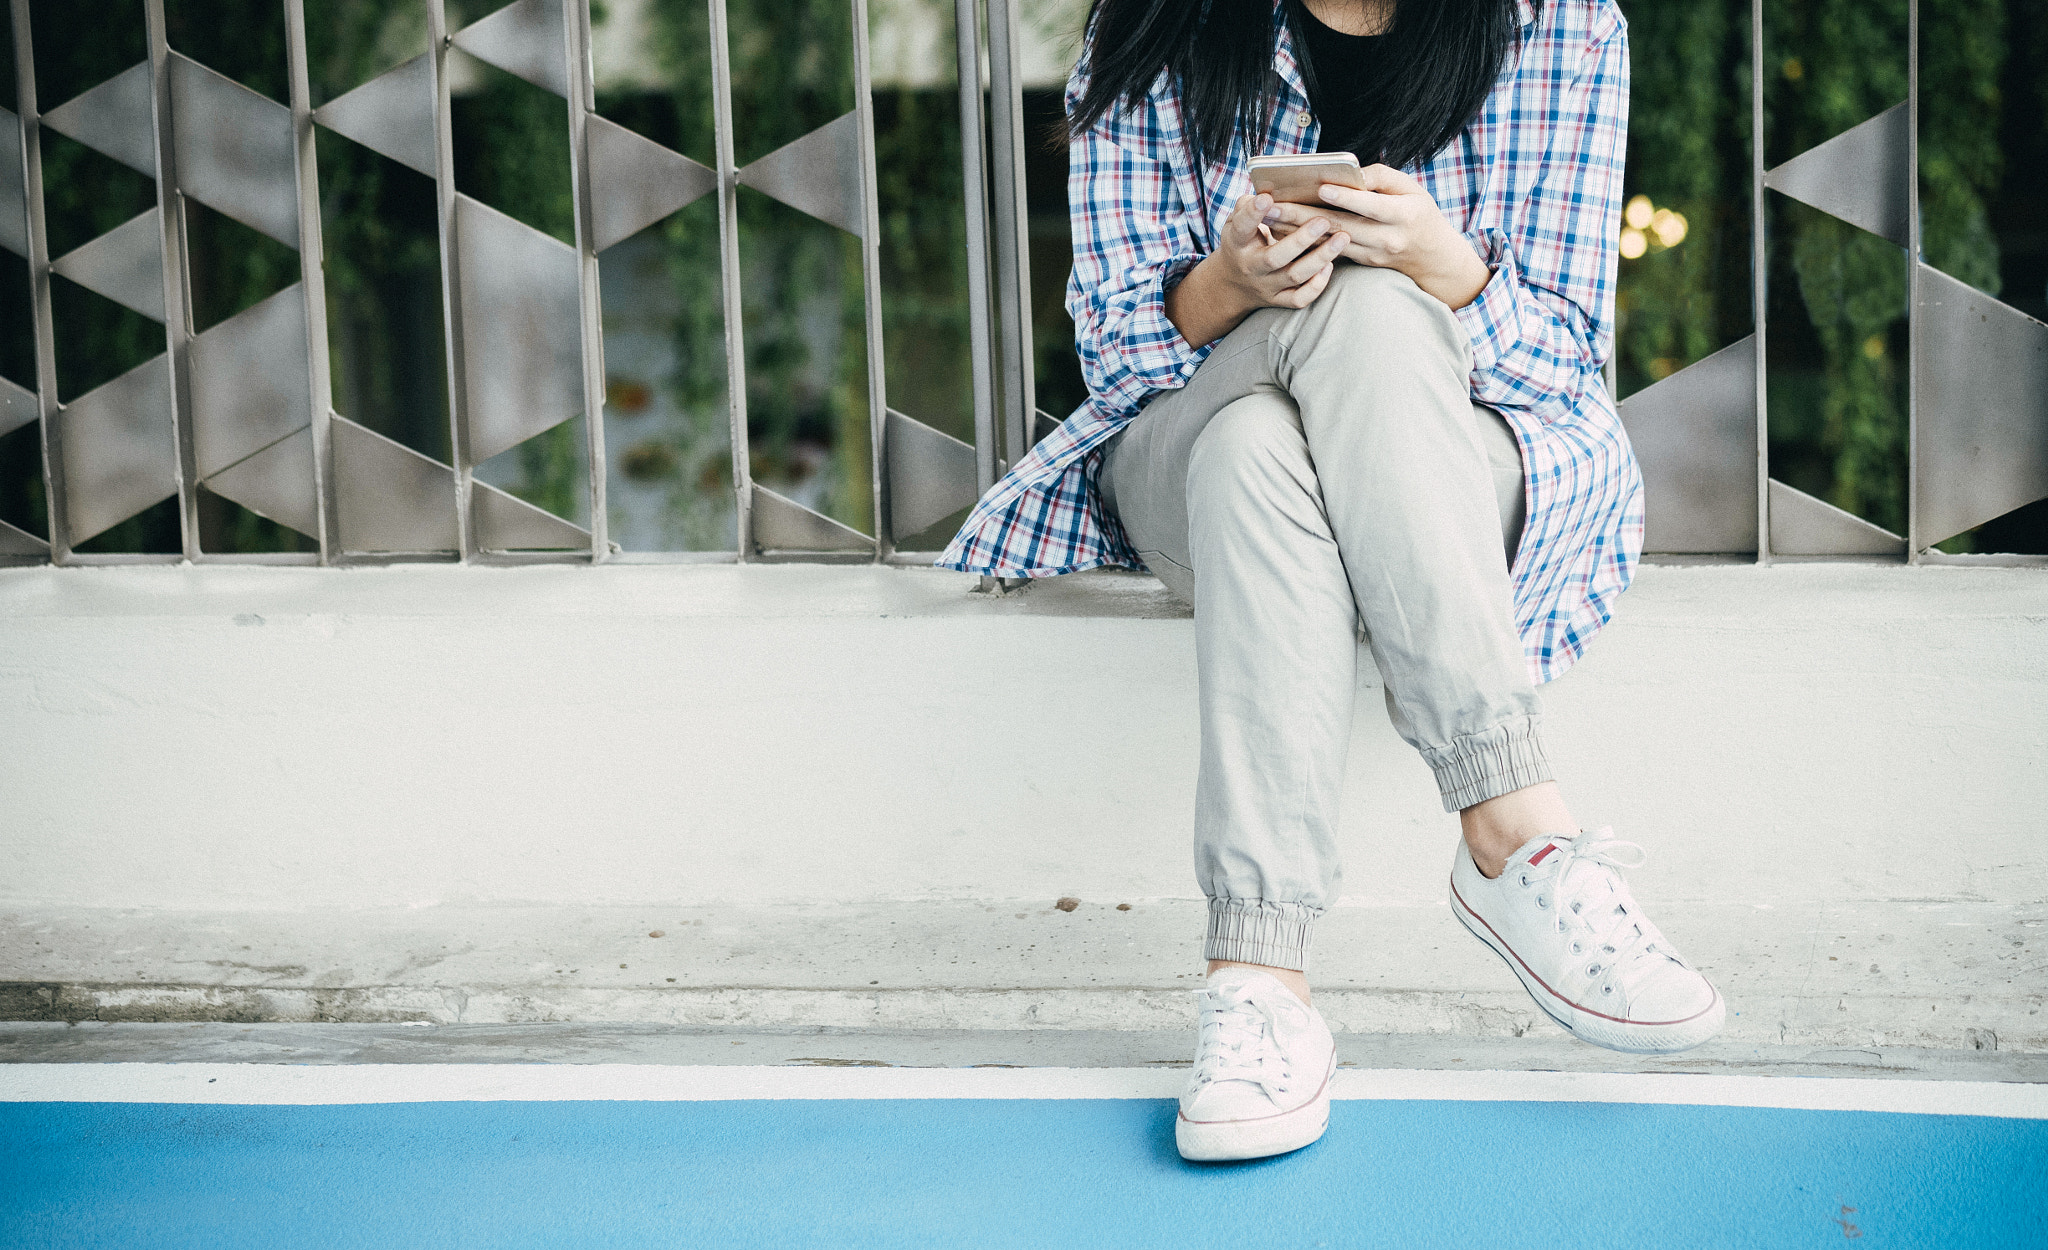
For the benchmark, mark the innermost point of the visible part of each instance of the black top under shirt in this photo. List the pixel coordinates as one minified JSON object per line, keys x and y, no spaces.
{"x":1337,"y":67}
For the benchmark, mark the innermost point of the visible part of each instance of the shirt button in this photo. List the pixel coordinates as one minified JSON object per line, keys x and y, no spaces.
{"x":1302,"y":119}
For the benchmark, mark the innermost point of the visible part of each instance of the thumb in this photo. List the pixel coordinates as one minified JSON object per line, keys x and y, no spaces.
{"x":1243,"y":224}
{"x":1388,"y":181}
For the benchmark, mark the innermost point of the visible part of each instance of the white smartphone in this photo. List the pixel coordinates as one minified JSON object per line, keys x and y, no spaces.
{"x":1295,"y":179}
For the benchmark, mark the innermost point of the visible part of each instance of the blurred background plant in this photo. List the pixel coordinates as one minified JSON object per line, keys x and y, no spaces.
{"x":1837,"y":428}
{"x":1838,"y":295}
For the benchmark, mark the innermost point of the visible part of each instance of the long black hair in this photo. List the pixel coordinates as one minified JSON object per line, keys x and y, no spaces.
{"x":1435,"y":64}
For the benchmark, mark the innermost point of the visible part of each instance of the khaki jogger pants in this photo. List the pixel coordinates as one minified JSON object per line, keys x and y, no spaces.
{"x":1326,"y":473}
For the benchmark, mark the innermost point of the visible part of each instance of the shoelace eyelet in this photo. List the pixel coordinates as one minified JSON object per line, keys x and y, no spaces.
{"x":1543,"y":902}
{"x":1525,"y":880}
{"x":1593,"y":970}
{"x":1607,"y":989}
{"x":1577,"y":949}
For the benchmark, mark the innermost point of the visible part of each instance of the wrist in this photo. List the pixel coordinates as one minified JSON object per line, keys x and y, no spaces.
{"x":1450,"y":269}
{"x":1206,"y":304}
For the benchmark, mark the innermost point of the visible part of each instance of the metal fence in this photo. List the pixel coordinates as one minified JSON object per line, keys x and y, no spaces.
{"x":245,"y":407}
{"x":1976,"y":391}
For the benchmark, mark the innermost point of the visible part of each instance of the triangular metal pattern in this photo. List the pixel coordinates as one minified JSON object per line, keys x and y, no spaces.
{"x":1859,"y":175}
{"x":1981,"y":411}
{"x":13,"y":187}
{"x":113,"y":119}
{"x":388,"y":497}
{"x":931,"y":475}
{"x":818,"y":174}
{"x":19,"y":542}
{"x":1804,"y":526}
{"x":526,"y":39}
{"x":235,"y":150}
{"x":522,"y":333}
{"x":1694,"y":435}
{"x":505,"y":522}
{"x":392,"y":114}
{"x":250,"y":385}
{"x":782,"y":524}
{"x":18,"y":406}
{"x":635,"y":181}
{"x":276,"y":482}
{"x":120,"y":454}
{"x":126,"y":264}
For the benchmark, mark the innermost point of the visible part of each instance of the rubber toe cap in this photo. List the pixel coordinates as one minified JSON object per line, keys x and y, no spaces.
{"x":1674,"y":994}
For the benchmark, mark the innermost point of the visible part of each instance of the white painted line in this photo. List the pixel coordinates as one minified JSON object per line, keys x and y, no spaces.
{"x":489,"y":1082}
{"x":1798,"y":1093}
{"x":378,"y":1083}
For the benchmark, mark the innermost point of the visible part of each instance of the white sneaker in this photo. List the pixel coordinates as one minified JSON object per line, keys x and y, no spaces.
{"x":1263,"y":1063}
{"x":1564,"y":920}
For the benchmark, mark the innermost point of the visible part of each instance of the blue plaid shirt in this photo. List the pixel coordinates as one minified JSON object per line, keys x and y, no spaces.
{"x":1534,"y":182}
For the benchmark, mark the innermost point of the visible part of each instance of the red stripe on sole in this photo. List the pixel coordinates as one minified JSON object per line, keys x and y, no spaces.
{"x":1568,"y":1003}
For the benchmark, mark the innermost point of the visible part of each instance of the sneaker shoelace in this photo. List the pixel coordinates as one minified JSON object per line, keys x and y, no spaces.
{"x":1237,"y":1041}
{"x":1585,"y":886}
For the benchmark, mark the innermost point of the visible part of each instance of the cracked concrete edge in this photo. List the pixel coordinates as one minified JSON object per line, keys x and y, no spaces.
{"x":2016,"y":1024}
{"x":419,"y":1044}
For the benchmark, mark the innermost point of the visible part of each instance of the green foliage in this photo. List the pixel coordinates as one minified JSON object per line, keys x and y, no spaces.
{"x":801,"y":279}
{"x":801,"y":291}
{"x":1680,"y":304}
{"x":1962,"y":52}
{"x":1838,"y":305}
{"x":512,"y":150}
{"x":84,"y":196}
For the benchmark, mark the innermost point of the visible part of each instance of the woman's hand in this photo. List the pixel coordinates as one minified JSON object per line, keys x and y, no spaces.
{"x":1393,"y":224}
{"x":1250,"y":270}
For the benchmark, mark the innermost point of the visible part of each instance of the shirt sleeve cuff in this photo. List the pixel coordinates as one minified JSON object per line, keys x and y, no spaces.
{"x":1158,"y":356}
{"x":1493,"y":320}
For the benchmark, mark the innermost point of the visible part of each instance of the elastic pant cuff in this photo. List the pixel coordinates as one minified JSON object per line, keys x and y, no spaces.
{"x":1247,"y":931}
{"x":1487,"y":765}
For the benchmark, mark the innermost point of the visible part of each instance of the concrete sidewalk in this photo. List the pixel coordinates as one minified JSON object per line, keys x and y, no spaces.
{"x":1859,"y":975}
{"x":849,"y":797}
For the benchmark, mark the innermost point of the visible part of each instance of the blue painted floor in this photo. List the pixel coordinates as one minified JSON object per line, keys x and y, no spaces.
{"x":1005,"y":1173}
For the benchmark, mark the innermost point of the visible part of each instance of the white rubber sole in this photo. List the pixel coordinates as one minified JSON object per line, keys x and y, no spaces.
{"x":1221,"y":1141}
{"x":1630,"y":1037}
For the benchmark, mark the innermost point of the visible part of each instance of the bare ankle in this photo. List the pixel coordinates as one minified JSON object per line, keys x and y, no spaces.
{"x":1293,"y":979}
{"x":1496,"y":829}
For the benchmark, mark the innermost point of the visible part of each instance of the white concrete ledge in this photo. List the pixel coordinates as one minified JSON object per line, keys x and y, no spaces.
{"x":1811,"y":753}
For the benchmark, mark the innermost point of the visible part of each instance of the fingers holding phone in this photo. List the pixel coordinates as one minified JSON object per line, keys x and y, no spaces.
{"x":1250,"y":269}
{"x":1270,"y":272}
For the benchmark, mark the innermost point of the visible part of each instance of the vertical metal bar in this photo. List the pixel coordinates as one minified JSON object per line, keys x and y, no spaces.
{"x":1913,"y":535}
{"x":871,"y":283}
{"x":451,"y":278}
{"x":313,"y":280}
{"x":582,"y":103}
{"x":177,"y":290}
{"x":974,"y":182}
{"x":39,"y":284}
{"x":1760,"y":278}
{"x":729,"y":276}
{"x":1013,"y":244}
